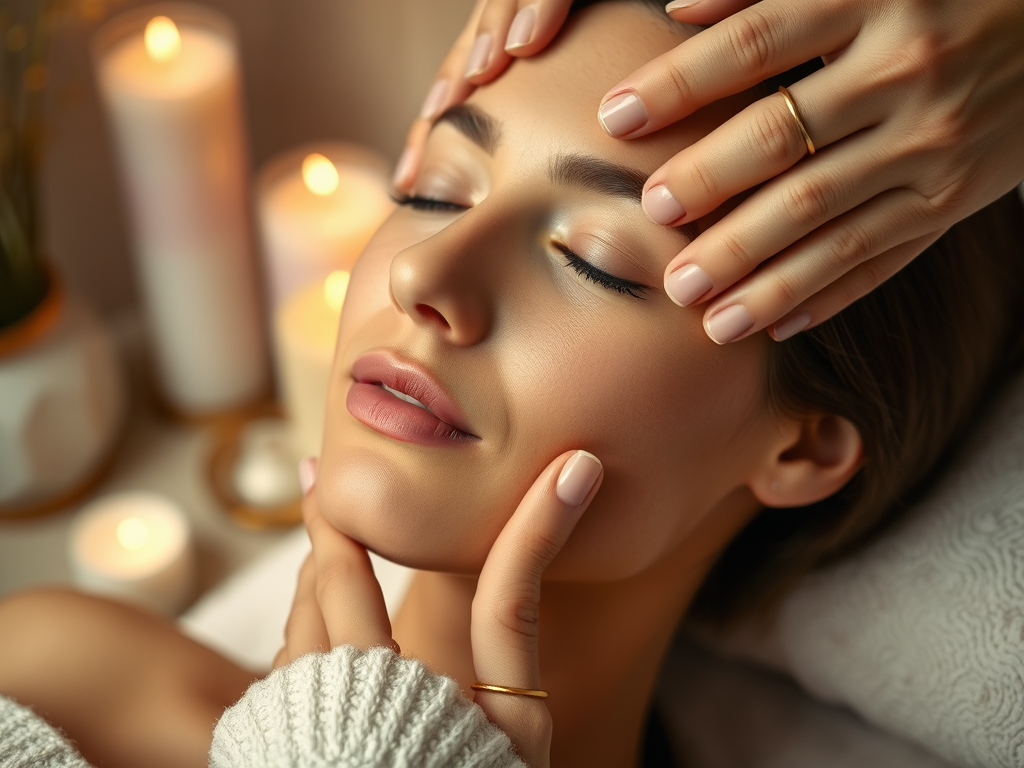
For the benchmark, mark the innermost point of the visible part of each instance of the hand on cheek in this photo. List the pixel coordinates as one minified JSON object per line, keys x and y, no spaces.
{"x":338,"y":600}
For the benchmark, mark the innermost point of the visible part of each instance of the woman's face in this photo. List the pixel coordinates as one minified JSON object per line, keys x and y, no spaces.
{"x":524,"y":306}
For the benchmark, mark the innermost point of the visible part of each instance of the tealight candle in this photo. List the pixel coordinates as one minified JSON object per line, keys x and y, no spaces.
{"x":305,"y":332}
{"x":317,"y":207}
{"x":170,"y":81}
{"x":136,"y":546}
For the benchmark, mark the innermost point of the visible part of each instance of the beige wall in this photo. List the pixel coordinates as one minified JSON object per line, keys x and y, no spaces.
{"x":313,"y":69}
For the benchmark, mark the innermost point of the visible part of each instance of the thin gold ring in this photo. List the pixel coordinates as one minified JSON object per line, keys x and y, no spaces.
{"x":796,"y":116}
{"x":505,"y":689}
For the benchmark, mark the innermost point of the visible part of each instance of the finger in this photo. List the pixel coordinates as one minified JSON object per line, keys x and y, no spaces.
{"x":782,"y":212}
{"x":487,"y":56}
{"x":741,"y":51}
{"x":856,"y":283}
{"x":347,"y":591}
{"x":705,"y":11}
{"x":810,"y":265}
{"x":506,"y":604}
{"x":535,"y":26}
{"x":304,"y":631}
{"x":759,"y":143}
{"x":449,"y":87}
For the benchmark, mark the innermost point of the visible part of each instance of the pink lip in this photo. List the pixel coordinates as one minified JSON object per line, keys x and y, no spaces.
{"x":378,"y":409}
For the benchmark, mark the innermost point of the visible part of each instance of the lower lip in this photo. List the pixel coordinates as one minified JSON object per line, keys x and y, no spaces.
{"x":380,"y":410}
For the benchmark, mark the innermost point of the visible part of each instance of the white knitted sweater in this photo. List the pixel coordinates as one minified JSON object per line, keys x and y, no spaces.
{"x":345,"y":709}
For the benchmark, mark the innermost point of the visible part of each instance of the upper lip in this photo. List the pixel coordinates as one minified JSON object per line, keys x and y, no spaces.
{"x":385,"y":367}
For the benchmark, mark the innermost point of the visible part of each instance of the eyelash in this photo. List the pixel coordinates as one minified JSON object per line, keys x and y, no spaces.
{"x":580,"y":266}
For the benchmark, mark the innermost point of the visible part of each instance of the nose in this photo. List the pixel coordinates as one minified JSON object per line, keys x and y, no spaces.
{"x":444,"y":283}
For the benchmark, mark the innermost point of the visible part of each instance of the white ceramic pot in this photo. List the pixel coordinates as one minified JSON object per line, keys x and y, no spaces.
{"x":62,"y":404}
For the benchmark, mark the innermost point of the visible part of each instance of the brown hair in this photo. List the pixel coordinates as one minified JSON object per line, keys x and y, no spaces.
{"x":908,"y":365}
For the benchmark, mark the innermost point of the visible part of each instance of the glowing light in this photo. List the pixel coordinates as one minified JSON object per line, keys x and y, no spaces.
{"x":163,"y":41}
{"x":335,"y":287}
{"x":319,"y":174}
{"x":133,"y":533}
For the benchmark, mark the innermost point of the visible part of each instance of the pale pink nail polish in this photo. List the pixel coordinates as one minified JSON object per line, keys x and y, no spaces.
{"x":687,"y":284}
{"x":678,"y":5}
{"x":661,"y":206}
{"x":728,"y":324}
{"x":479,"y":55}
{"x":623,"y":114}
{"x":790,"y":325}
{"x":307,"y":474}
{"x":577,"y":478}
{"x":403,"y":168}
{"x":521,"y":31}
{"x":432,"y":104}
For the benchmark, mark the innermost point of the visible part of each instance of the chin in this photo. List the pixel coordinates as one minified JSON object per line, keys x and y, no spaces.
{"x":385,"y":505}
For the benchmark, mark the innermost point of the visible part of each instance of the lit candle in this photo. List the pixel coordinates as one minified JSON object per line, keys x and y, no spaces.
{"x":135,"y":546}
{"x":305,"y":332}
{"x":318,"y":206}
{"x":171,"y":85}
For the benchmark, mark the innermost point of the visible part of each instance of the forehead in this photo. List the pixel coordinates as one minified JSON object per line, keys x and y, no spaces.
{"x":551,"y":100}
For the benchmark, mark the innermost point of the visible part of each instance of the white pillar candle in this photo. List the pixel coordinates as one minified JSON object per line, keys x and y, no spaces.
{"x":169,"y":77}
{"x":135,"y":546}
{"x":305,"y":332}
{"x":318,"y":206}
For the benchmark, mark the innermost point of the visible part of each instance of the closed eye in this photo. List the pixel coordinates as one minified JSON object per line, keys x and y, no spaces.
{"x":427,"y":203}
{"x":589,"y":272}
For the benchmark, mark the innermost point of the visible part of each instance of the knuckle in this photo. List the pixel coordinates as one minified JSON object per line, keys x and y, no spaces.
{"x":788,"y":289}
{"x":851,"y":245}
{"x":774,"y":136}
{"x":752,"y":40}
{"x":519,"y":616}
{"x":332,"y":577}
{"x":733,"y":247}
{"x":679,"y":80}
{"x":702,"y":181}
{"x":809,"y":202}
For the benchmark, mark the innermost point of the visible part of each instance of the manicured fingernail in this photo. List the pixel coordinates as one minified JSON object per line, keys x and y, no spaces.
{"x":307,"y":474}
{"x":521,"y":31}
{"x":686,"y":285}
{"x":577,"y":478}
{"x":790,"y":325}
{"x":661,"y":206}
{"x":623,"y":114}
{"x":432,"y":104}
{"x":678,"y":5}
{"x":480,"y":55}
{"x":728,"y":324}
{"x":403,"y":168}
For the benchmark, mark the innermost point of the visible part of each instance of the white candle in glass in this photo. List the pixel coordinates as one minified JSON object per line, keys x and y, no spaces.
{"x":318,"y":206}
{"x":305,"y":333}
{"x":135,"y":546}
{"x":169,"y":77}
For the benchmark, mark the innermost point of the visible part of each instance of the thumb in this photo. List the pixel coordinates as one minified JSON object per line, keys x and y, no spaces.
{"x":506,"y":605}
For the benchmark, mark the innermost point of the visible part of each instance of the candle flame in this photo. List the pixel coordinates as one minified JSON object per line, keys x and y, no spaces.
{"x":319,"y":174}
{"x":132,"y":533}
{"x":163,"y":41}
{"x":335,"y":287}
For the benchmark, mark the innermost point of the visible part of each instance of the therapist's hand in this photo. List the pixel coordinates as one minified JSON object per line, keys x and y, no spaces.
{"x":918,"y":118}
{"x":339,"y":601}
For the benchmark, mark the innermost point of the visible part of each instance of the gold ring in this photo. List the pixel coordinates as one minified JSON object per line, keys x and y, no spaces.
{"x":506,"y":689}
{"x":796,"y":116}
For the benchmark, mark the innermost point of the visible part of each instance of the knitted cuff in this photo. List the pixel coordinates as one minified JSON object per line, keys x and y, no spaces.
{"x":27,"y":740}
{"x":355,"y":708}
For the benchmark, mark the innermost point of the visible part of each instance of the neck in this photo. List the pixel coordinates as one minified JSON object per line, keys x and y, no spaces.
{"x":602,"y":644}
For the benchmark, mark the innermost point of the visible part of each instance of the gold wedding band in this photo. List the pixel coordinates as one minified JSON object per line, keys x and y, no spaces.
{"x":796,"y":116}
{"x":506,"y":689}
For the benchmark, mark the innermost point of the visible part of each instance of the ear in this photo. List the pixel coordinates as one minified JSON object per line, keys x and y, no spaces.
{"x":813,"y":459}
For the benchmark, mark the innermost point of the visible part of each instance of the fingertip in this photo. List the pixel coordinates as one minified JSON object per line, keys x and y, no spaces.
{"x":579,"y":476}
{"x":307,"y":473}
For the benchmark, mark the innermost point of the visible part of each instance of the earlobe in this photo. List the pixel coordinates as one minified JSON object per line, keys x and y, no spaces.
{"x":812,"y":461}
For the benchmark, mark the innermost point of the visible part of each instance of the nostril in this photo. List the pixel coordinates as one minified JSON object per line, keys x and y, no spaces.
{"x":430,"y":313}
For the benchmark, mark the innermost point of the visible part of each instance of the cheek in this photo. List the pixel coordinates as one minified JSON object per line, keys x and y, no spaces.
{"x":661,"y":410}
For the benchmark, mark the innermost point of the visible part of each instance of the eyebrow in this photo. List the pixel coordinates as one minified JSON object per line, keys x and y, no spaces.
{"x":571,"y":170}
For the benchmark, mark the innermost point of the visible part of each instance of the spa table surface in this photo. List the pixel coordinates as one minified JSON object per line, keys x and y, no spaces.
{"x":157,"y":454}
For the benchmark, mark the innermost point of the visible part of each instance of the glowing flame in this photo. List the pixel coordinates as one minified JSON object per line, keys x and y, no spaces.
{"x":163,"y":41}
{"x":319,"y":174}
{"x":335,"y":287}
{"x":132,"y":533}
